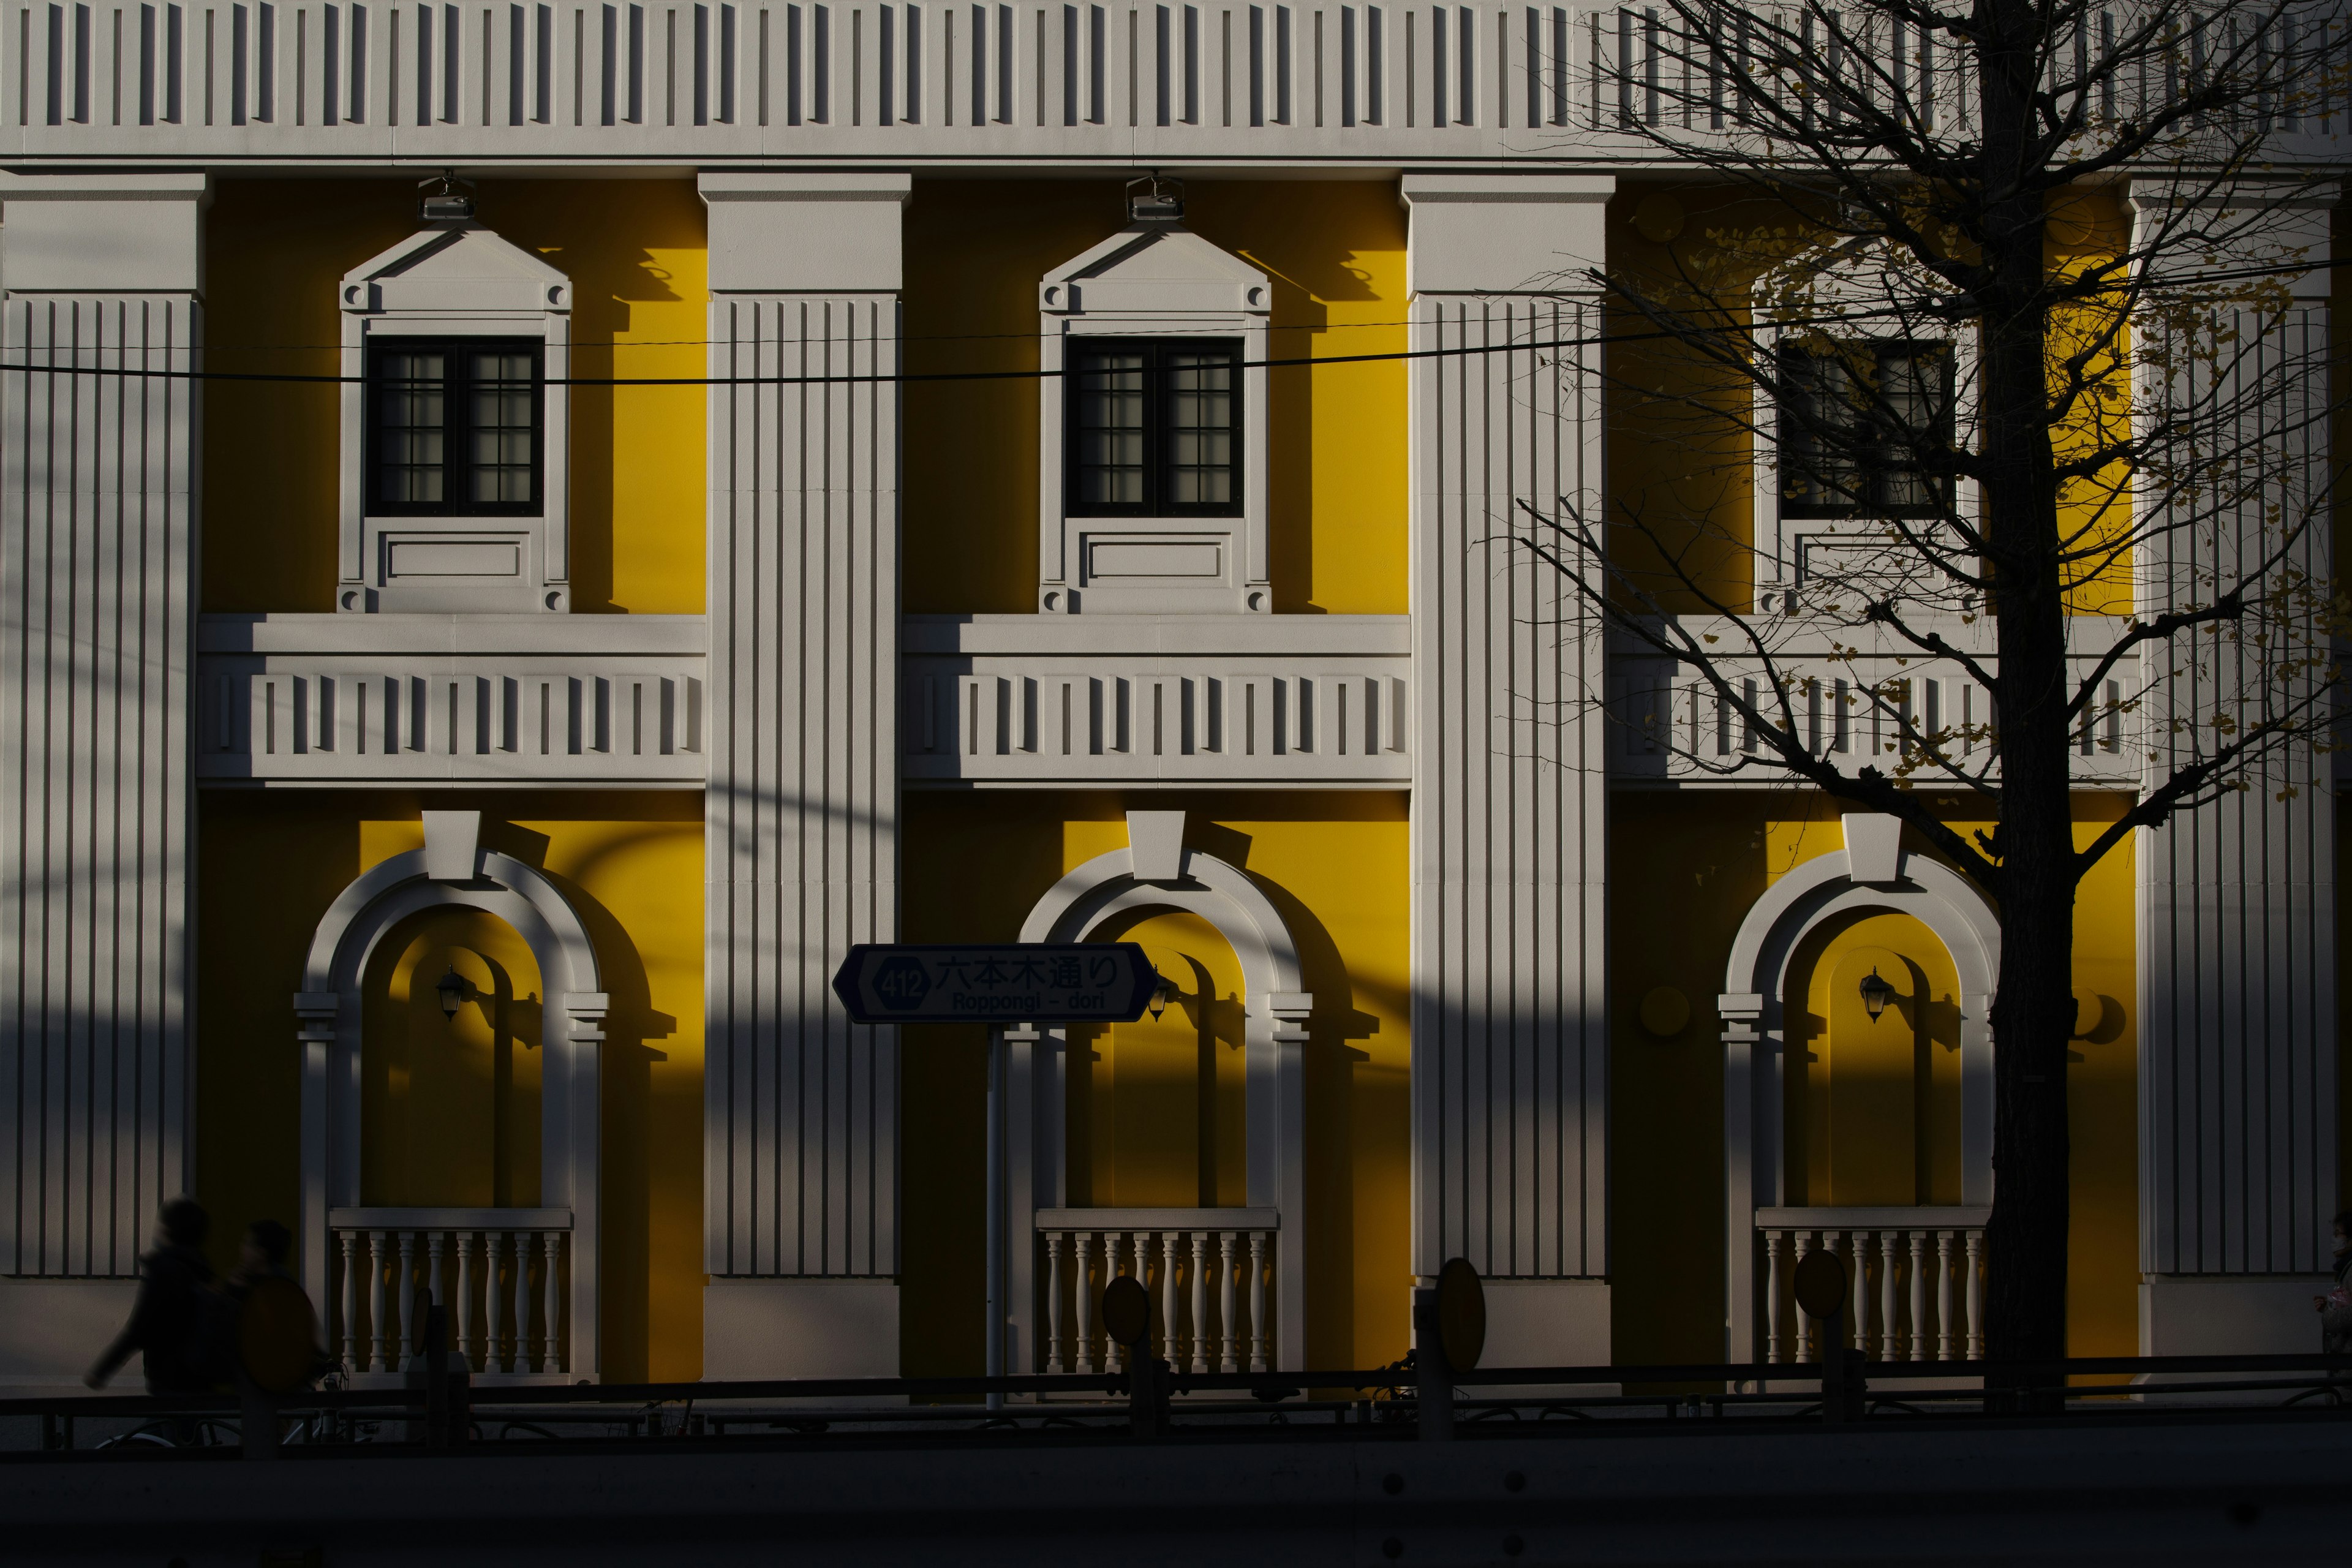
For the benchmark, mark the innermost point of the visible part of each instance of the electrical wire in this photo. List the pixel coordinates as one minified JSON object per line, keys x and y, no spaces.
{"x":1903,"y":312}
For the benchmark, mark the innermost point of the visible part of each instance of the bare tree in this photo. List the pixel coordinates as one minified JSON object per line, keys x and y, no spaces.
{"x":1987,"y":433}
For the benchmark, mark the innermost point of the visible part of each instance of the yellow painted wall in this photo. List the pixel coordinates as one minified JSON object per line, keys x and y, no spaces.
{"x":267,"y":866}
{"x":1704,"y":860}
{"x":275,"y":251}
{"x":1335,"y":866}
{"x":1335,"y":253}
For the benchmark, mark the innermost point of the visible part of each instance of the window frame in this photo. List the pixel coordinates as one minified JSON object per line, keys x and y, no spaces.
{"x":1158,"y":434}
{"x":458,"y":466}
{"x":1870,"y":503}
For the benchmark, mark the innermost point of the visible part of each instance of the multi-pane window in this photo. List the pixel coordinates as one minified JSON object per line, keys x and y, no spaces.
{"x":1154,"y":427}
{"x":454,"y":426}
{"x":1858,"y":425}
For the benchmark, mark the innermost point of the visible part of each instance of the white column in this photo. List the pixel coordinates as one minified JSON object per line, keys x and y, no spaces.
{"x":1509,"y":1032}
{"x":2237,"y":898}
{"x":97,"y":529}
{"x":801,"y":1105}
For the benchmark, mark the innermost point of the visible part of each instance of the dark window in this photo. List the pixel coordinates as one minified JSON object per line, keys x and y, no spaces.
{"x":1859,"y":423}
{"x":1154,"y":427}
{"x":454,"y":426}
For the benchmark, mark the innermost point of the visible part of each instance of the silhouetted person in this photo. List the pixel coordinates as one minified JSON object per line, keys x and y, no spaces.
{"x":178,"y":1315}
{"x":2334,"y":1308}
{"x":261,"y":1255}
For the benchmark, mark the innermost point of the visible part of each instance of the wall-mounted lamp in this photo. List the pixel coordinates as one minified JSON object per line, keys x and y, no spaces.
{"x":1876,"y":994}
{"x":1160,"y":199}
{"x":455,"y":991}
{"x":442,"y":202}
{"x":1161,"y":995}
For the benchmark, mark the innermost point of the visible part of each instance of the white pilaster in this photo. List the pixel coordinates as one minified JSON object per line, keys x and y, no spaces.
{"x":97,"y":538}
{"x":1509,"y":1033}
{"x":2237,"y":898}
{"x":801,"y":1105}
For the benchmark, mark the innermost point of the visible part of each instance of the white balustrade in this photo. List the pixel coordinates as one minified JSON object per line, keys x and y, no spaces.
{"x":1102,"y":698}
{"x":1176,"y":1254}
{"x":1673,"y":723}
{"x":482,"y":1263}
{"x":1128,"y":79}
{"x":1890,"y":1255}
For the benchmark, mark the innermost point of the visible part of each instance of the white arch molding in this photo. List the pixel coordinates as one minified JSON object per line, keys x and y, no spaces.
{"x":1872,"y":872}
{"x":1031,"y":1171}
{"x":454,"y":872}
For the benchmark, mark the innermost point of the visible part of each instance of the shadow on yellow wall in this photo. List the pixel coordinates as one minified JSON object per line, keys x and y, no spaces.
{"x":268,"y":867}
{"x":1334,"y":865}
{"x":276,"y":249}
{"x":1334,"y":254}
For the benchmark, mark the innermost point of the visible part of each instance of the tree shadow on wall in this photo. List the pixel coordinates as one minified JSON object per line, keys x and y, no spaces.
{"x":626,"y":1133}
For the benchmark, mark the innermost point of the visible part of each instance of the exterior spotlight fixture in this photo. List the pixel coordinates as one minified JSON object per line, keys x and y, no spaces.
{"x":1876,"y":994}
{"x":453,"y":992}
{"x":1161,"y":995}
{"x":443,"y":203}
{"x":1159,"y":199}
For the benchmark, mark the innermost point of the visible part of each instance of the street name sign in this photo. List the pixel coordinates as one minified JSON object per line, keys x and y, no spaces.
{"x":1000,"y":982}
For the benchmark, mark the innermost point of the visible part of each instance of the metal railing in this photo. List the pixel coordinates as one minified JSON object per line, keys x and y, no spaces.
{"x":1353,"y":1403}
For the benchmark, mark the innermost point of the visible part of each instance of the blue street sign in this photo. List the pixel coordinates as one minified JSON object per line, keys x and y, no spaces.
{"x":1001,"y":983}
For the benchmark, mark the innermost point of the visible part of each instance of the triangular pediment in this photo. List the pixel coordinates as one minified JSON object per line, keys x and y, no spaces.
{"x":1149,"y":266}
{"x":464,"y":266}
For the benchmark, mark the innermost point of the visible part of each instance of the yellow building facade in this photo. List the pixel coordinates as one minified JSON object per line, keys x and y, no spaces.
{"x":577,"y":612}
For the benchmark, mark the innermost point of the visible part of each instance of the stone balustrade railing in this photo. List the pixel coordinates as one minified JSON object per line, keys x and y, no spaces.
{"x":503,"y":1271}
{"x":1209,"y":1272}
{"x":489,"y":699}
{"x":1127,"y":81}
{"x":1142,"y":700}
{"x":1917,"y":1281}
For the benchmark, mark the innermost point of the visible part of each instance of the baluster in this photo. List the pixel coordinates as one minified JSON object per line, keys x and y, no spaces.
{"x":469,"y":1326}
{"x":1805,"y":1351}
{"x":1918,"y":1295}
{"x":1261,"y":1342}
{"x":1200,"y":1301}
{"x":1943,"y":1295}
{"x":380,"y":1328}
{"x":1887,"y":1242}
{"x":519,"y":1360}
{"x":1230,"y":1341}
{"x":436,"y":1281}
{"x":1085,"y":1243}
{"x":405,"y":1355}
{"x":350,"y":1341}
{"x":1833,"y":1243}
{"x":1114,"y":1354}
{"x":1053,"y":1300}
{"x":1141,"y":1242}
{"x":1772,"y":1240}
{"x":1975,"y":1296}
{"x":1172,"y":1344}
{"x":494,"y":1246}
{"x":550,"y":1248}
{"x":1858,"y":1301}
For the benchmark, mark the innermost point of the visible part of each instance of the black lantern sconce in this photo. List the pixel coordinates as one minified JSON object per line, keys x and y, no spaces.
{"x":1876,"y":994}
{"x":455,"y":991}
{"x":1162,"y":995}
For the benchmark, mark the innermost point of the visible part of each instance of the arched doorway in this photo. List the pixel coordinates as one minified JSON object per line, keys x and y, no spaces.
{"x":1793,"y":984}
{"x":1157,"y":1111}
{"x":1227,"y":1279}
{"x":451,"y":1085}
{"x":1872,"y":1114}
{"x":521,"y":1278}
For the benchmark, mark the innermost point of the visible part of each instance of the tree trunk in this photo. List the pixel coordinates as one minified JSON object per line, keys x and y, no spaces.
{"x":2033,"y":1010}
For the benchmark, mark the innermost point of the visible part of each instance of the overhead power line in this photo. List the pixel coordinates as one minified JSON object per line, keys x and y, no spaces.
{"x":1838,"y":318}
